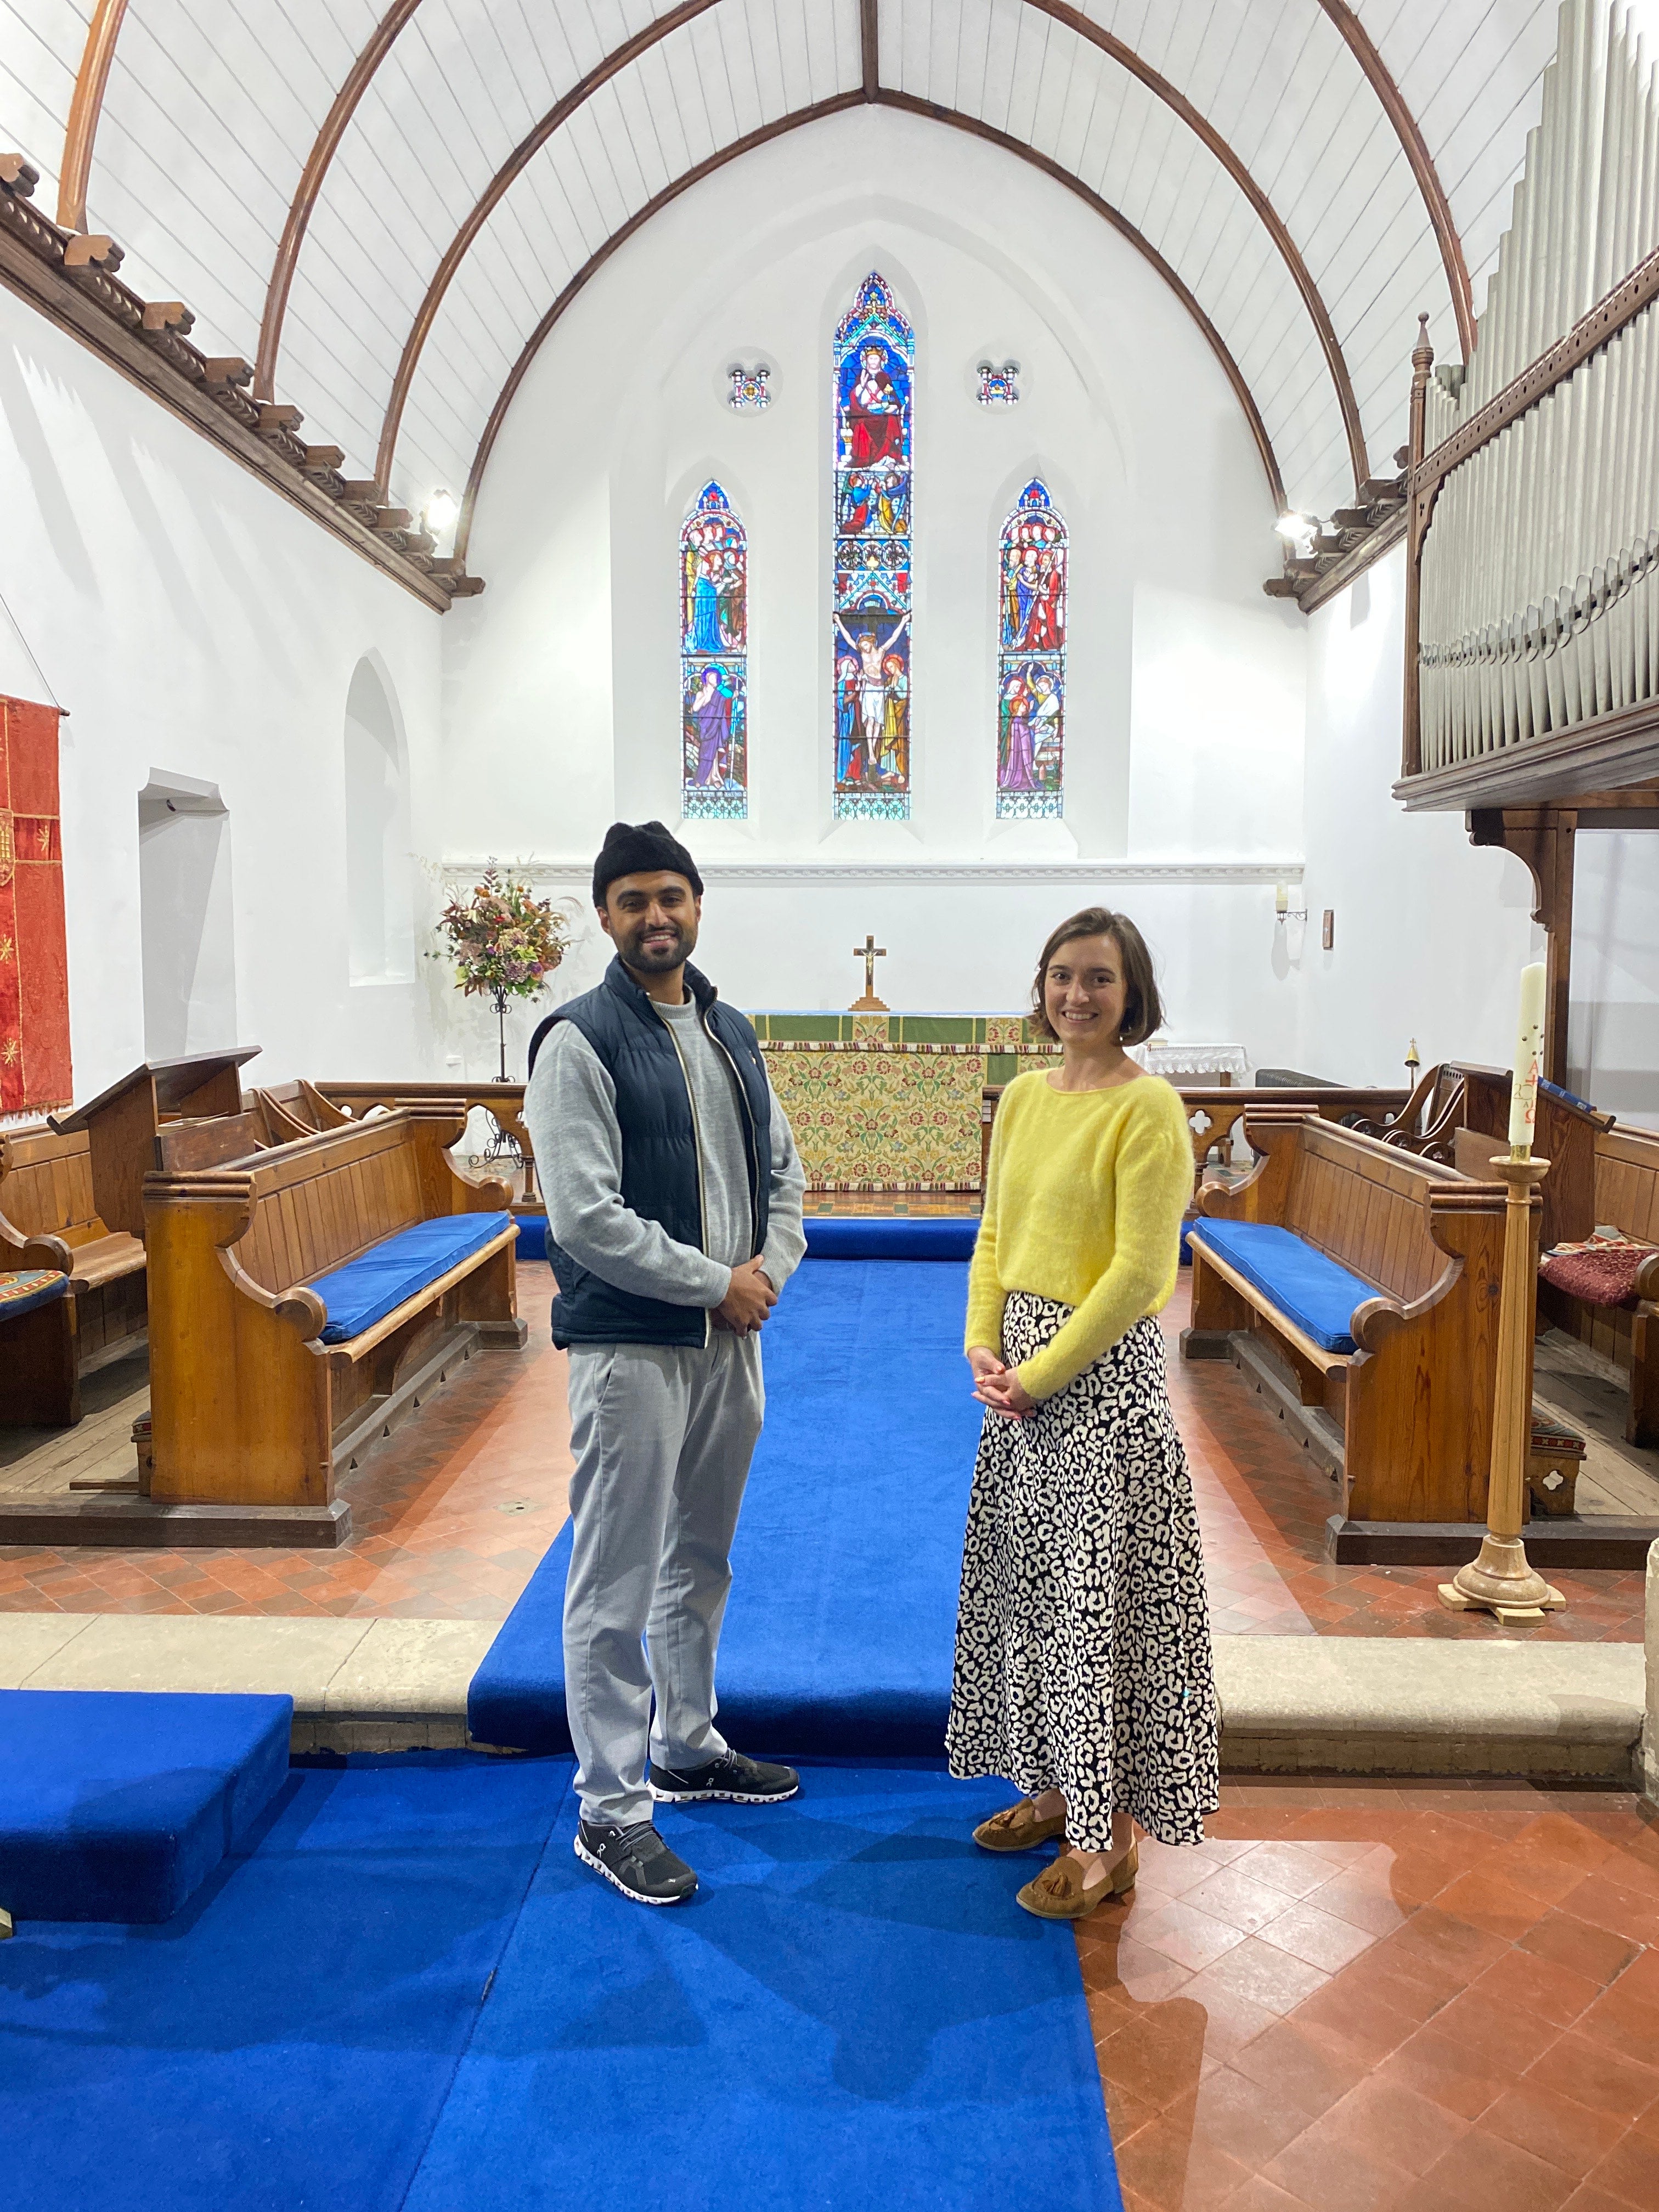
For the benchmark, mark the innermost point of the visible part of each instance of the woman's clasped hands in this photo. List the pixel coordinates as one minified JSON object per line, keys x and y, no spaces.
{"x":998,"y":1386}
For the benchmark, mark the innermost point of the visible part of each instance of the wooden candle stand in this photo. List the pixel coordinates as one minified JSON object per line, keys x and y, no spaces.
{"x":1501,"y":1581}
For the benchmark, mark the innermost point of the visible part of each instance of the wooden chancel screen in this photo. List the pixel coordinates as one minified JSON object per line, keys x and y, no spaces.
{"x":1532,"y":608}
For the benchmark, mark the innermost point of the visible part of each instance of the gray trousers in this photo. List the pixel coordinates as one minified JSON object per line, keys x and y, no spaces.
{"x":662,"y":1435}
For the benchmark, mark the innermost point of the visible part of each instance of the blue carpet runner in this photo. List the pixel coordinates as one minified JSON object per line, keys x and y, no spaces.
{"x":838,"y":1633}
{"x":405,"y":1996}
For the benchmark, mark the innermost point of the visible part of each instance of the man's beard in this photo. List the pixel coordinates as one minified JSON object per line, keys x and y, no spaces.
{"x":659,"y":959}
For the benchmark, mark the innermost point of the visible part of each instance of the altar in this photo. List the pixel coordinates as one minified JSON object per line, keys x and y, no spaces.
{"x":891,"y":1103}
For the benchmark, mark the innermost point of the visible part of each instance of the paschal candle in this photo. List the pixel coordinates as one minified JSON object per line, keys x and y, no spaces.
{"x":1528,"y":1053}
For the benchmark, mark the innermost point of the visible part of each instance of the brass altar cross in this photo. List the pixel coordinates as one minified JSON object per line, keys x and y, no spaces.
{"x":869,"y":952}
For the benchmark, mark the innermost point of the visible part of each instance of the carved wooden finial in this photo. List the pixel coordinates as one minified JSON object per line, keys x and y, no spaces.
{"x":1423,"y":352}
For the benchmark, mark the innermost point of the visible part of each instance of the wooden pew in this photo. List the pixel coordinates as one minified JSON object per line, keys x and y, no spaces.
{"x":502,"y":1101}
{"x":1214,"y":1114}
{"x":48,"y":1219}
{"x":1459,"y":1115}
{"x":121,"y":1123}
{"x":1626,"y":1197}
{"x":1403,"y":1422}
{"x":297,"y":1109}
{"x":250,"y":1406}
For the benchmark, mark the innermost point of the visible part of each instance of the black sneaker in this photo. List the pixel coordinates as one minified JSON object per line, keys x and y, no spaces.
{"x":732,"y":1778}
{"x":636,"y":1861}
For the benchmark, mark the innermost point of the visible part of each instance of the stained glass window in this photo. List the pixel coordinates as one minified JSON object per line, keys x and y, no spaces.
{"x":715,"y":661}
{"x":875,"y":356}
{"x":1031,"y":660}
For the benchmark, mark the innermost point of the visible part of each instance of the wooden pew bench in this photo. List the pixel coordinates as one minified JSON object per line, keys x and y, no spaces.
{"x":48,"y":1221}
{"x":1626,"y":1199}
{"x":1357,"y":1287}
{"x":303,"y":1300}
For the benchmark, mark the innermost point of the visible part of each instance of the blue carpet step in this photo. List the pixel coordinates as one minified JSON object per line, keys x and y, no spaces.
{"x":840,"y":1236}
{"x":117,"y":1805}
{"x":839,"y":1631}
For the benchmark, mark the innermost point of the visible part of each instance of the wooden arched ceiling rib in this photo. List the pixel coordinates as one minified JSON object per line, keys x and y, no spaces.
{"x":1267,"y":214}
{"x":514,"y":165}
{"x":310,"y":187}
{"x":85,"y":107}
{"x":1415,"y":146}
{"x":884,"y":98}
{"x":871,"y":90}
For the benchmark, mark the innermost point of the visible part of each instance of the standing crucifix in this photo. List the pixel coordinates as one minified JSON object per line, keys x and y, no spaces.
{"x":869,"y":952}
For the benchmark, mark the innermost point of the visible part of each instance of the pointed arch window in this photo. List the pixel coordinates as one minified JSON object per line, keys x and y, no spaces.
{"x":714,"y":661}
{"x":870,"y":636}
{"x":1031,"y":660}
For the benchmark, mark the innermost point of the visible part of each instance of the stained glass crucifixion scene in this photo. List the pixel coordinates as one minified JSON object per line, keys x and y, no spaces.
{"x":870,"y":639}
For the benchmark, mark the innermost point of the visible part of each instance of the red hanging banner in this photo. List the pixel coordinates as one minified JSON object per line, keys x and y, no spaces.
{"x":34,"y":1028}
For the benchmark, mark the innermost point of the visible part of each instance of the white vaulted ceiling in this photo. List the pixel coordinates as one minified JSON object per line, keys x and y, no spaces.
{"x":381,"y":202}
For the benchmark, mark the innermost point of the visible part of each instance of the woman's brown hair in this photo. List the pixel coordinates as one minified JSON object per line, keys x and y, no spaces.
{"x":1143,"y":1009}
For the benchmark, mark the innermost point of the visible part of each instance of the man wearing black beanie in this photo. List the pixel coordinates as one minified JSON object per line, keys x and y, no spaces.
{"x":674,"y":1217}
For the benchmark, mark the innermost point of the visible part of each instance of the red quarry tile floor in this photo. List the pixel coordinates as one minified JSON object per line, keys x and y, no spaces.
{"x":1357,"y":1996}
{"x":452,"y":1513}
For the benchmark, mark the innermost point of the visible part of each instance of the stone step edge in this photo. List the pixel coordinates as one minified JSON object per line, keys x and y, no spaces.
{"x":1289,"y":1704}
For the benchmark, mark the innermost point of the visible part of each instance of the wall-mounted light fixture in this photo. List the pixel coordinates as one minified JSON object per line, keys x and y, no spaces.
{"x":1283,"y":912}
{"x":439,"y":514}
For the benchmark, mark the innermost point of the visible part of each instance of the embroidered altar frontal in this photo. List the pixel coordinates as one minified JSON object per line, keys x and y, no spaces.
{"x":892,"y":1101}
{"x":34,"y":1032}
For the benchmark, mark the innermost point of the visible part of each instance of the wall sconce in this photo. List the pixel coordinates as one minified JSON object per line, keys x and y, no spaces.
{"x":1283,"y":912}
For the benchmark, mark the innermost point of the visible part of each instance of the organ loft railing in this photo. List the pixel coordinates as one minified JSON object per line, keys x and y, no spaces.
{"x":1532,"y":649}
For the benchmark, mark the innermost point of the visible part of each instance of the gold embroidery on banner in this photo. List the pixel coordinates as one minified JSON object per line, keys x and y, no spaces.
{"x":8,"y":849}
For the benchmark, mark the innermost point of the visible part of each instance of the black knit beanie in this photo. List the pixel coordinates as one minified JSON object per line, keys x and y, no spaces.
{"x":641,"y":848}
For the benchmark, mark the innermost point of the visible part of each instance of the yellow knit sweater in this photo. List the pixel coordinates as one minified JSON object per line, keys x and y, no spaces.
{"x":1083,"y":1204}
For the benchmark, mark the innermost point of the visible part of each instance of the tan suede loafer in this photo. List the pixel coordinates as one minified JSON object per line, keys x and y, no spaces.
{"x":1017,"y":1828}
{"x":1058,"y":1892}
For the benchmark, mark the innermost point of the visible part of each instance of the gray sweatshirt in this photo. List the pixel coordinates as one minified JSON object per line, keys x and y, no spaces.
{"x":570,"y":1111}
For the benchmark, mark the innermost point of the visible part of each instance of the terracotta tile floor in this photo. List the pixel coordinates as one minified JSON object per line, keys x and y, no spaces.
{"x":1357,"y":1996}
{"x":1262,"y":1506}
{"x":450,"y":1515}
{"x":452,"y":1512}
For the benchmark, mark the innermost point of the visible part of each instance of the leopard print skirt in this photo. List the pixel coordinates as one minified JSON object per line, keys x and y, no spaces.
{"x":1082,"y":1636}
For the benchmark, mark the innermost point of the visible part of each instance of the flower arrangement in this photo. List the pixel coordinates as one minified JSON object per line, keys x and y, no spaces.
{"x":503,"y":942}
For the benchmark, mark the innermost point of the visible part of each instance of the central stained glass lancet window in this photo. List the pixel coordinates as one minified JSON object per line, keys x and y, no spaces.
{"x":1031,"y":660}
{"x":870,"y":639}
{"x":714,"y":661}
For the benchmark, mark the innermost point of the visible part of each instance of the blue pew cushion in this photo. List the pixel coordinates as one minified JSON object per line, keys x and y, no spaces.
{"x":22,"y":1289}
{"x":366,"y":1289}
{"x":1316,"y":1293}
{"x":890,"y":1236}
{"x":119,"y":1804}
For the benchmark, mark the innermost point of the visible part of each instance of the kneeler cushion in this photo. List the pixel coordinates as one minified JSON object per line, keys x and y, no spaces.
{"x":119,"y":1804}
{"x":366,"y":1289}
{"x":25,"y":1288}
{"x":1315,"y":1291}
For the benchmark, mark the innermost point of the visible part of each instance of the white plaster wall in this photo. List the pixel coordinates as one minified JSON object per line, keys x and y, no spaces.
{"x":195,"y":624}
{"x":1613,"y":1032}
{"x":1431,"y":933}
{"x":1186,"y":684}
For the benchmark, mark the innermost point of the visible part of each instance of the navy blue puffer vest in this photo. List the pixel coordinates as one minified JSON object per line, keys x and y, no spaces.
{"x":660,"y":1178}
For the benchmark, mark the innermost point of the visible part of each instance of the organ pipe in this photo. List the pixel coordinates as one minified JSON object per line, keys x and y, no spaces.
{"x":1535,"y":533}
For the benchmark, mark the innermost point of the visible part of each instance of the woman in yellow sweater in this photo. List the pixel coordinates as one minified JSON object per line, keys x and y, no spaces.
{"x":1083,"y":1669}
